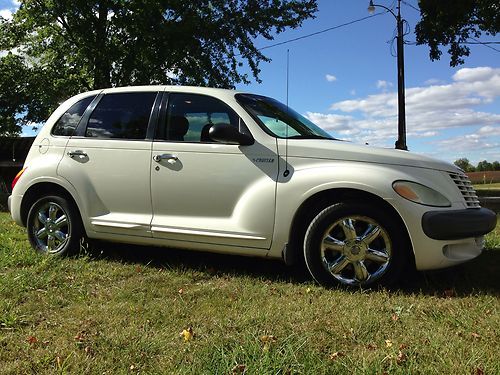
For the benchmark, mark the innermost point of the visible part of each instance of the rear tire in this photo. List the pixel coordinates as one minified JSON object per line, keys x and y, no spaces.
{"x":356,"y":244}
{"x":54,"y":226}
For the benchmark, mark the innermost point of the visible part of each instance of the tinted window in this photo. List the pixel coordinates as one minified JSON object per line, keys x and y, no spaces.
{"x":189,"y":117}
{"x":123,"y":115}
{"x":68,"y":122}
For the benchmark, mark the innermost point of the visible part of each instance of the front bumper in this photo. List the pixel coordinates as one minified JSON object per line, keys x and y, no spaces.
{"x":458,"y":224}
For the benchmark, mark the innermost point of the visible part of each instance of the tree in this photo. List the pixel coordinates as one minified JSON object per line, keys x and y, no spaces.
{"x":484,"y":166}
{"x":455,"y":22}
{"x":67,"y":46}
{"x":496,"y":165}
{"x":464,"y":164}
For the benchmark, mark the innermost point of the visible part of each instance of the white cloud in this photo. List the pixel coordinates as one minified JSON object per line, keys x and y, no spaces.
{"x":430,"y":111}
{"x":434,"y":81}
{"x":381,"y":84}
{"x":489,"y":131}
{"x":352,"y":92}
{"x":467,"y":143}
{"x":6,"y":14}
{"x":330,"y":78}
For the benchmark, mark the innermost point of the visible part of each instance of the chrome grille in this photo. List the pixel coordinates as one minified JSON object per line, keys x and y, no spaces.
{"x":465,"y":186}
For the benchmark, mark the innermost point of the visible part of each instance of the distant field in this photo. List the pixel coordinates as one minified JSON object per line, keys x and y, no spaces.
{"x":489,"y":177}
{"x":494,"y":186}
{"x":120,"y":310}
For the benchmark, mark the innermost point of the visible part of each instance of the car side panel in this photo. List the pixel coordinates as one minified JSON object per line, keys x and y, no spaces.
{"x":112,"y":182}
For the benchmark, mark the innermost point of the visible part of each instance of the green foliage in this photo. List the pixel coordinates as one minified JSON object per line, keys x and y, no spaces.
{"x":454,"y":22}
{"x":465,"y":165}
{"x":67,"y":46}
{"x":484,"y":166}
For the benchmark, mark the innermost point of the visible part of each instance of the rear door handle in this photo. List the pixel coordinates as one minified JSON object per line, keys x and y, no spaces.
{"x":161,"y":157}
{"x":79,"y":153}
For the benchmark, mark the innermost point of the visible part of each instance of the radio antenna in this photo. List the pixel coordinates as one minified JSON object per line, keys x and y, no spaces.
{"x":287,"y":172}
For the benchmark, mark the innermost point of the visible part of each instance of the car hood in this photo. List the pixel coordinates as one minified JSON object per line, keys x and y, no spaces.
{"x":339,"y":150}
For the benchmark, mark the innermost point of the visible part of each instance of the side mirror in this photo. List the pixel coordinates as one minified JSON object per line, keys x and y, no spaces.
{"x":226,"y":133}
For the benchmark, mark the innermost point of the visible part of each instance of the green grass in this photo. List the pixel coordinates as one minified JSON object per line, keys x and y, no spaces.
{"x":120,"y":310}
{"x":492,"y":186}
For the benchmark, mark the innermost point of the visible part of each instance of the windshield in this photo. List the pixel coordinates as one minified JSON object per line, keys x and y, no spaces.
{"x":279,"y":120}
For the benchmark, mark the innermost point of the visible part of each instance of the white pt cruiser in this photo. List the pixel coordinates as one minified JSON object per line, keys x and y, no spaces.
{"x":232,"y":172}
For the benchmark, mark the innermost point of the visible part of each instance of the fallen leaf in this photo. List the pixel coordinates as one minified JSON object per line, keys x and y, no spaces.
{"x":308,"y":290}
{"x":32,"y":340}
{"x":401,"y":358}
{"x":335,"y":356}
{"x":132,"y":367}
{"x":395,"y":317}
{"x":388,"y":343}
{"x":475,"y":335}
{"x":58,"y":361}
{"x":371,"y":347}
{"x":180,"y":291}
{"x":403,"y":347}
{"x":187,"y":334}
{"x":267,"y":340}
{"x":478,"y":371}
{"x":239,"y":369}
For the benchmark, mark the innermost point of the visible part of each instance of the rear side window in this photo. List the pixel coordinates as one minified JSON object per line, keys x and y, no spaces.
{"x":121,"y":115}
{"x":68,"y":122}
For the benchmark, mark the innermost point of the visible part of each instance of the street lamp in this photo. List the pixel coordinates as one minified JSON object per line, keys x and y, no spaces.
{"x":401,"y":142}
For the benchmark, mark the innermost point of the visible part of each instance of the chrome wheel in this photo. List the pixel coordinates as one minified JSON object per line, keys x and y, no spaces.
{"x":356,"y":250}
{"x":51,"y":228}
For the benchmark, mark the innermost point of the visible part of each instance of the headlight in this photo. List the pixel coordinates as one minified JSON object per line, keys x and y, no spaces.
{"x":420,"y":194}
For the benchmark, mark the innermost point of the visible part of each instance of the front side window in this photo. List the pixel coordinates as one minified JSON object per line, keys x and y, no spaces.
{"x":121,"y":115}
{"x":190,"y":116}
{"x":279,"y":120}
{"x":68,"y":122}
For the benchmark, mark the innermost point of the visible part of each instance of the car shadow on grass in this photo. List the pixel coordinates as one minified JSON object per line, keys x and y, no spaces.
{"x":479,"y":276}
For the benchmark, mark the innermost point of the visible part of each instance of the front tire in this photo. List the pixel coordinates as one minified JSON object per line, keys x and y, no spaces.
{"x":54,"y":226}
{"x":356,"y":244}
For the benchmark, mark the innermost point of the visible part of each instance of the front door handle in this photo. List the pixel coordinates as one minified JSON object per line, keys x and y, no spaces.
{"x":79,"y":153}
{"x":159,"y":158}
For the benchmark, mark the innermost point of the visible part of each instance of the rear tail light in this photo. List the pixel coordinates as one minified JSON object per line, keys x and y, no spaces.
{"x":18,"y":176}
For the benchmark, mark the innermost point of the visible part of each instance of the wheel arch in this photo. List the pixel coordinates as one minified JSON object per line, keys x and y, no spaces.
{"x":320,"y":200}
{"x":40,"y":189}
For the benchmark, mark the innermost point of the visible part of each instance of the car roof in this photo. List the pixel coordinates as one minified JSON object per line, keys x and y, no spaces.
{"x":171,"y":88}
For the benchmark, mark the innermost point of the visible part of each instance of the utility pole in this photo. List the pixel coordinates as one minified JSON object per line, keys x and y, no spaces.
{"x":401,"y":142}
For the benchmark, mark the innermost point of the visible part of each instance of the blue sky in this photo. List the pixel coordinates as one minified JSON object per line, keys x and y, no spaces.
{"x":345,"y":81}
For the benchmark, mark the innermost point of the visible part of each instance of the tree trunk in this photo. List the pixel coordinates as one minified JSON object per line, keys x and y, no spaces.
{"x":102,"y":65}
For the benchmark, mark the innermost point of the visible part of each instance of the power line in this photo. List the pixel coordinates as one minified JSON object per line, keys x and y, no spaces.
{"x":494,"y":42}
{"x":411,"y":6}
{"x":320,"y":31}
{"x":486,"y":44}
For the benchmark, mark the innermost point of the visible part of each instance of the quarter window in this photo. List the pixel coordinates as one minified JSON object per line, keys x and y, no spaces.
{"x":190,"y":116}
{"x":68,"y":122}
{"x":121,"y":115}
